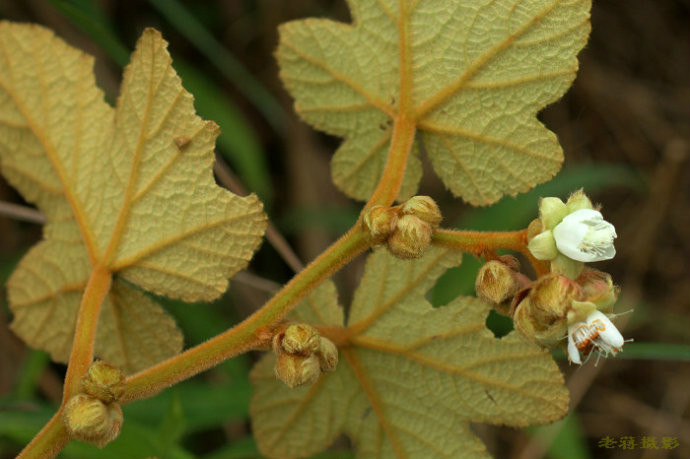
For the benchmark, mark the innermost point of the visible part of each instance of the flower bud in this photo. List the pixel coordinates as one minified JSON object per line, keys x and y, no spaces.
{"x":550,"y":297}
{"x":299,"y":339}
{"x":410,"y":238}
{"x":598,"y":288}
{"x":379,"y":222}
{"x":510,"y":261}
{"x":328,"y":355}
{"x":103,"y":381}
{"x":295,"y":370}
{"x":424,"y":208}
{"x":90,"y":420}
{"x":547,"y":334}
{"x":497,"y":284}
{"x":542,"y":316}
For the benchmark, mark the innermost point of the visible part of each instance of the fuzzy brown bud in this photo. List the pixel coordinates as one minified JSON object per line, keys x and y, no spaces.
{"x":379,"y":222}
{"x":598,"y":288}
{"x":296,"y":370}
{"x":90,"y":420}
{"x":551,"y":296}
{"x":541,"y":316}
{"x":548,"y":335}
{"x":410,"y":238}
{"x":424,"y":208}
{"x":496,"y":283}
{"x":510,"y":261}
{"x":103,"y":381}
{"x":299,"y":339}
{"x":327,"y":354}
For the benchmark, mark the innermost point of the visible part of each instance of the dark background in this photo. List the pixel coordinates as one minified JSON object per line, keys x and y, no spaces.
{"x":624,"y":127}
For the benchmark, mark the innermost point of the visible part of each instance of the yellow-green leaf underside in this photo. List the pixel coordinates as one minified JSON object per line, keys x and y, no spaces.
{"x":475,"y":73}
{"x":130,"y":188}
{"x":412,"y":378}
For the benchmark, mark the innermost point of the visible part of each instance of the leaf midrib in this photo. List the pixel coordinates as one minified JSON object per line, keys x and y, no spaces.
{"x":123,"y":216}
{"x":374,"y":399}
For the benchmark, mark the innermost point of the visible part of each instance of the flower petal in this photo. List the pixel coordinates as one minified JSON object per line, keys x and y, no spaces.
{"x":608,"y":332}
{"x":573,"y":353}
{"x":585,"y":236}
{"x":569,"y":236}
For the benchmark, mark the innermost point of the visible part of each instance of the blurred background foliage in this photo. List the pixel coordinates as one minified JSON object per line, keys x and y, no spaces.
{"x":624,"y":127}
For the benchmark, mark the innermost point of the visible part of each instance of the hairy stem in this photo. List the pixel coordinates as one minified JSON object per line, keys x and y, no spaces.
{"x":478,"y":242}
{"x":49,"y":441}
{"x":53,"y":437}
{"x":246,"y":335}
{"x":96,"y":290}
{"x":394,"y":172}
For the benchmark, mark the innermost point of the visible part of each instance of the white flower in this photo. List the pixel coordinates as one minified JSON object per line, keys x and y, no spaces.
{"x":595,"y":332}
{"x":585,"y":236}
{"x":570,"y":234}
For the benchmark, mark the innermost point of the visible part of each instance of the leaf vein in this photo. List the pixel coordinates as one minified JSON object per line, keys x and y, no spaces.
{"x":443,"y":367}
{"x":411,"y":284}
{"x":479,"y":63}
{"x":374,"y":399}
{"x":162,"y":243}
{"x":343,"y":79}
{"x":439,"y":128}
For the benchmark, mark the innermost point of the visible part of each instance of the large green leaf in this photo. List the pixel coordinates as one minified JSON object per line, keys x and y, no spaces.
{"x":128,"y":188}
{"x":472,"y":75}
{"x":411,"y":377}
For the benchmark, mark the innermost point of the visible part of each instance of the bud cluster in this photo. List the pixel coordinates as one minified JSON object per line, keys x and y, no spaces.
{"x":405,"y":229}
{"x":93,"y":415}
{"x":302,"y":355}
{"x":571,"y":301}
{"x":498,"y":281}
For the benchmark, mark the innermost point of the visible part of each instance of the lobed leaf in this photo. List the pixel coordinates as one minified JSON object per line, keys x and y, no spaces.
{"x":134,"y":331}
{"x":472,"y":74}
{"x":130,"y":188}
{"x":411,"y":377}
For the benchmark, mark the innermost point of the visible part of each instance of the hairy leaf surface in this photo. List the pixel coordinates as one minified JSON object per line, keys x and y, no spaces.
{"x":130,"y":188}
{"x":412,"y":377}
{"x":472,"y":74}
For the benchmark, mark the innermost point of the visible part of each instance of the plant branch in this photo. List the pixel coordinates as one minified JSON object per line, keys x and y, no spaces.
{"x":24,"y":213}
{"x":394,"y":172}
{"x":49,"y":441}
{"x":248,"y":334}
{"x":231,"y":182}
{"x":479,"y":242}
{"x":81,"y":357}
